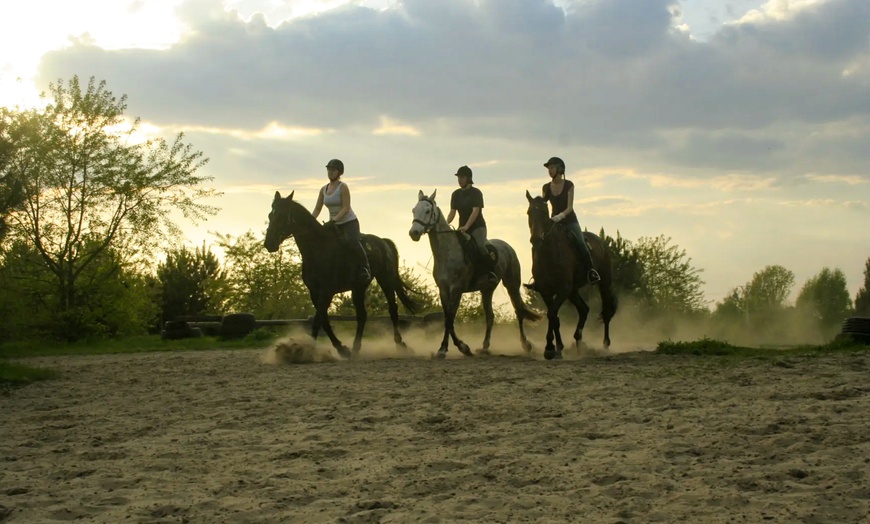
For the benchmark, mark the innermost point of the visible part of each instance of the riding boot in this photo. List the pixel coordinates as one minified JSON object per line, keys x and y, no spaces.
{"x":364,"y":274}
{"x":586,"y":257}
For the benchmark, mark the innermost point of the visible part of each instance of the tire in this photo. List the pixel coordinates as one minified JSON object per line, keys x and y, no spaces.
{"x":858,"y":325}
{"x":237,"y":325}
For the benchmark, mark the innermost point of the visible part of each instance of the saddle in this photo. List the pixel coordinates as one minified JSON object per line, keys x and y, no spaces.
{"x":472,"y":255}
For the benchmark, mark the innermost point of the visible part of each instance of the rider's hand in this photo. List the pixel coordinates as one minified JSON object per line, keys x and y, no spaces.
{"x":330,"y":223}
{"x":557,"y":218}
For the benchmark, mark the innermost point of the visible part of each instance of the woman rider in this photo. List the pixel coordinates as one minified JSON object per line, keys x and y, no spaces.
{"x":336,"y":197}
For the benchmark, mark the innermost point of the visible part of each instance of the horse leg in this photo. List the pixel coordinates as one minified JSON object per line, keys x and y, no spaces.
{"x":321,"y":319}
{"x":358,"y":295}
{"x":552,"y":327}
{"x":582,"y":313}
{"x":393,"y":308}
{"x":486,"y":301}
{"x":450,"y":305}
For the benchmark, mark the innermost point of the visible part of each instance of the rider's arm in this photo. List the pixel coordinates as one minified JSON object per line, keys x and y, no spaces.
{"x":451,"y":215}
{"x":475,"y":212}
{"x":570,"y":207}
{"x":319,"y":205}
{"x":345,"y":203}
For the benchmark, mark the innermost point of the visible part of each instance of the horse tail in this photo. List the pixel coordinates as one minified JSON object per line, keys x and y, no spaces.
{"x":609,"y":302}
{"x":525,"y":313}
{"x":411,"y":305}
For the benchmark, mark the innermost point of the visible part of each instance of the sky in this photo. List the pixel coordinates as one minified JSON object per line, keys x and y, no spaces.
{"x":738,"y":128}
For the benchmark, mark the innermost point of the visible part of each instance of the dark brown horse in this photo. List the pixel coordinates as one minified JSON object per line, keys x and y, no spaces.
{"x":327,"y":268}
{"x":559,"y":275}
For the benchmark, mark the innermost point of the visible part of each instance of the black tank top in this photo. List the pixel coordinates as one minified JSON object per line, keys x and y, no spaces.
{"x":559,"y":203}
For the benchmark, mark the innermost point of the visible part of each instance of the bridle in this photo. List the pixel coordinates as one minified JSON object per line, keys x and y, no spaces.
{"x":436,"y":215}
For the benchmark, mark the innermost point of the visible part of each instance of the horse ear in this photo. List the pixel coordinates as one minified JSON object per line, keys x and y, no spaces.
{"x":528,"y":196}
{"x":420,"y":195}
{"x":433,"y":194}
{"x":277,"y":195}
{"x":291,"y":195}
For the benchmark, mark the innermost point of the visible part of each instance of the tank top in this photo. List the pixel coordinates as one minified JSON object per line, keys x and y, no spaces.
{"x":559,"y":202}
{"x":333,"y":204}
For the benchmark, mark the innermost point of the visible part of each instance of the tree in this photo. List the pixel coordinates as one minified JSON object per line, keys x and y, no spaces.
{"x":825,"y":298}
{"x":628,"y":277}
{"x":269,"y":285}
{"x":11,"y":194}
{"x":89,"y":188}
{"x":189,"y":282}
{"x":768,"y":290}
{"x":862,"y":298}
{"x":669,"y":280}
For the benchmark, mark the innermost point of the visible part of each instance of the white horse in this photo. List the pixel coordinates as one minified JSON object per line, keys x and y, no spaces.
{"x":453,"y":273}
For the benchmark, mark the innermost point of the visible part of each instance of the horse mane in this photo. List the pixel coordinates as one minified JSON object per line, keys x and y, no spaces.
{"x":300,"y":212}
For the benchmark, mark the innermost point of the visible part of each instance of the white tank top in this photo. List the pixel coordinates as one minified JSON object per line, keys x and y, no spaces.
{"x":333,"y":204}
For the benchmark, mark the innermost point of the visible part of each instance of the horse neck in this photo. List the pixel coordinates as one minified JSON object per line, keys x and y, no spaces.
{"x":442,"y":239}
{"x":310,"y":238}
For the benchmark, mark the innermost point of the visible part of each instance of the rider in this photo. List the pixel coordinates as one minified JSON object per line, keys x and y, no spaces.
{"x":336,"y":196}
{"x":559,"y":192}
{"x":468,"y":201}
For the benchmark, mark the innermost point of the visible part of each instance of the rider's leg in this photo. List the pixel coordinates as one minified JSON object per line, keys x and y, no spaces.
{"x":351,"y":230}
{"x":583,"y":251}
{"x":487,"y":263}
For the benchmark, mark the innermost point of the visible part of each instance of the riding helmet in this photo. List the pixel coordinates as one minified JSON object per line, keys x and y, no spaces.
{"x":556,"y":161}
{"x":337,"y":164}
{"x":466,"y":172}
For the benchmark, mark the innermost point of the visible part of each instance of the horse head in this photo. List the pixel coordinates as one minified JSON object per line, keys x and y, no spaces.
{"x":283,"y":221}
{"x":426,"y":215}
{"x":539,"y":218}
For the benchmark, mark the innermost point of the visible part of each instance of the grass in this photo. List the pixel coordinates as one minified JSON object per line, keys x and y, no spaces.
{"x":136,"y":344}
{"x":12,"y":374}
{"x":706,"y":347}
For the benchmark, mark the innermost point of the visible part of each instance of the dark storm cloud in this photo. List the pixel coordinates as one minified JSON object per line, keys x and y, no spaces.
{"x":606,"y":72}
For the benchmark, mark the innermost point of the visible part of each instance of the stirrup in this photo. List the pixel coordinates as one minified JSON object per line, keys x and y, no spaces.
{"x":530,"y":286}
{"x":593,"y":276}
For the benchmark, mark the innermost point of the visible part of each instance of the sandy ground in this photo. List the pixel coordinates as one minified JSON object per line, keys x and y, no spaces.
{"x":233,"y":436}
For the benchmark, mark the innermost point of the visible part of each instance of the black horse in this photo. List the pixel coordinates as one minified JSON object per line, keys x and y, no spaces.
{"x":327,"y":268}
{"x":559,"y":274}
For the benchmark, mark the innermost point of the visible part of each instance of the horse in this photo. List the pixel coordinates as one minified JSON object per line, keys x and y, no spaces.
{"x":453,"y":272}
{"x":327,"y":269}
{"x":559,"y":275}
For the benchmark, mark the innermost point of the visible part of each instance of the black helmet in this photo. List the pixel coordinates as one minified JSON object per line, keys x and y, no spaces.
{"x":337,"y":164}
{"x":466,"y":172}
{"x":556,"y":161}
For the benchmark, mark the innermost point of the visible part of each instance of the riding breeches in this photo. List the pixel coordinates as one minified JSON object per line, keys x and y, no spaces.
{"x":351,"y":231}
{"x":580,"y":241}
{"x":479,"y":236}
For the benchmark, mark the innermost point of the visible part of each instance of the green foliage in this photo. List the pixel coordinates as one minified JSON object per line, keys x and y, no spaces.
{"x":113,"y":298}
{"x":91,"y":193}
{"x":768,"y":290}
{"x":628,"y":269}
{"x":825,"y":299}
{"x":18,"y":374}
{"x":862,"y":298}
{"x":715,"y":348}
{"x":11,"y":192}
{"x":670,"y":283}
{"x":376,"y":303}
{"x":269,"y":285}
{"x":189,"y":282}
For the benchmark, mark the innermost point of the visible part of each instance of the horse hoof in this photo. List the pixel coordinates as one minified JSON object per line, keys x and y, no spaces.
{"x":528,"y":347}
{"x":550,"y":354}
{"x":484,"y":352}
{"x":465,"y":350}
{"x":558,"y":355}
{"x":344,"y":352}
{"x":441,"y":355}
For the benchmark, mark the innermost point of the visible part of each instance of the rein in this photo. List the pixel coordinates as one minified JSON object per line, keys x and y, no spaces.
{"x":436,"y":215}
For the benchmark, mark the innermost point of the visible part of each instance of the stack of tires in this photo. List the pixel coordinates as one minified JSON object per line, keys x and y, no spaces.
{"x":856,"y":329}
{"x":237,"y":325}
{"x":178,"y":329}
